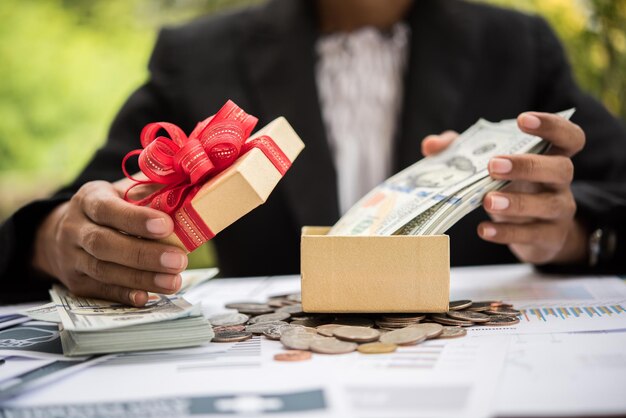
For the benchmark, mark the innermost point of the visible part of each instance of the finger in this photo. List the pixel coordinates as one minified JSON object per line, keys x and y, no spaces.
{"x":549,"y":169}
{"x":88,"y":287}
{"x":434,"y":144}
{"x":546,"y":206}
{"x":103,"y":205}
{"x":115,"y":274}
{"x":540,"y":234}
{"x":566,"y":137}
{"x":109,"y":245}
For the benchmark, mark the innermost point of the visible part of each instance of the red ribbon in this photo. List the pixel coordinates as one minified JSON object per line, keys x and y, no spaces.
{"x":183,"y":164}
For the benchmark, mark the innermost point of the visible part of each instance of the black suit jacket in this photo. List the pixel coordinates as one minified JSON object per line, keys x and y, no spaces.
{"x":466,"y":61}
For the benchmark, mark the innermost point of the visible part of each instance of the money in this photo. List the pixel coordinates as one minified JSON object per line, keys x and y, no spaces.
{"x":231,"y":336}
{"x":356,"y":334}
{"x":430,"y":196}
{"x":325,"y":345}
{"x":376,"y":348}
{"x":87,"y":314}
{"x":404,"y":336}
{"x":93,"y":326}
{"x":228,"y":319}
{"x":293,"y":355}
{"x":469,"y":316}
{"x":432,"y":330}
{"x":329,"y":333}
{"x":270,"y":317}
{"x":453,"y":332}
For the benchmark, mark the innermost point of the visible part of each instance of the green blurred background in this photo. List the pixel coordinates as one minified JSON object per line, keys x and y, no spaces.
{"x":66,"y":67}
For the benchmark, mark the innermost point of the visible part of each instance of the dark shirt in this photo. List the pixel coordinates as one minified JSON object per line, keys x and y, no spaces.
{"x":467,"y":61}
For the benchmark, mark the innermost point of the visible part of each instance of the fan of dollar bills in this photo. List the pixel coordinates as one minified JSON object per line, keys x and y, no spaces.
{"x":430,"y":196}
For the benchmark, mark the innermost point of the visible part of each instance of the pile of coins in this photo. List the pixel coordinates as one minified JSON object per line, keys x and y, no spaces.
{"x":281,"y":318}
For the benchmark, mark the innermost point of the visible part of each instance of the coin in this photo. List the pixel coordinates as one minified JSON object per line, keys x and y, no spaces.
{"x":324,"y":345}
{"x":296,"y":297}
{"x":252,"y":308}
{"x":298,"y":340}
{"x":501,"y":320}
{"x":432,"y":330}
{"x":263,"y":326}
{"x":229,"y":328}
{"x":231,"y":336}
{"x":299,"y":329}
{"x":276,"y":303}
{"x":255,"y":308}
{"x":468,"y":316}
{"x":402,"y":317}
{"x":356,"y":334}
{"x":503,"y":311}
{"x":356,"y":321}
{"x":446,"y":320}
{"x":309,"y":321}
{"x":327,"y":329}
{"x":274,"y":332}
{"x":481,"y":306}
{"x":293,"y":355}
{"x":500,"y":304}
{"x":404,"y":336}
{"x":453,"y":332}
{"x":228,"y":319}
{"x":456,"y":305}
{"x":293,"y":310}
{"x":376,"y":348}
{"x":276,"y":316}
{"x":392,"y":325}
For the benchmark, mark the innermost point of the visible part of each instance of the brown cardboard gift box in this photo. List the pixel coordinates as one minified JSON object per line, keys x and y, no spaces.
{"x":397,"y":273}
{"x":244,"y":185}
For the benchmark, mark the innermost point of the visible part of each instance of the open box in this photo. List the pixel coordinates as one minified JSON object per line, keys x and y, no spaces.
{"x":397,"y":273}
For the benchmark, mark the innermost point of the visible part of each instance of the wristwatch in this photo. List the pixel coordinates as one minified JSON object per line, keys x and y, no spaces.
{"x":602,"y":243}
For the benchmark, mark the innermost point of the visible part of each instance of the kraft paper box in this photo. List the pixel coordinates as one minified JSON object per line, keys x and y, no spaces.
{"x":397,"y":273}
{"x":245,"y":185}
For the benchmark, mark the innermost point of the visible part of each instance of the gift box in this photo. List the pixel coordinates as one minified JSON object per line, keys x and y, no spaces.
{"x":217,"y":174}
{"x":374,"y":274}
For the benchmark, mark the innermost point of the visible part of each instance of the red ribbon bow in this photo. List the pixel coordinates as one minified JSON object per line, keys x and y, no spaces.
{"x":183,"y":164}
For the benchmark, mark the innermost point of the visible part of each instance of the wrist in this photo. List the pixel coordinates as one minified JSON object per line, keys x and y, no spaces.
{"x":575,"y":249}
{"x":45,"y":246}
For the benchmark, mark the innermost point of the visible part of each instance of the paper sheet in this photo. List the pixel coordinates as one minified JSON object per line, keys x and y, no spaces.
{"x":564,"y":375}
{"x":442,"y":378}
{"x":453,"y":378}
{"x":548,"y":303}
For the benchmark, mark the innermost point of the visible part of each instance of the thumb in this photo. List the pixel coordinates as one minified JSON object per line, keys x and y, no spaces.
{"x":434,"y":144}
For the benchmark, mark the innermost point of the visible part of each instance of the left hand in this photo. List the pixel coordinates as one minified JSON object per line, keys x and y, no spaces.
{"x":534,"y":214}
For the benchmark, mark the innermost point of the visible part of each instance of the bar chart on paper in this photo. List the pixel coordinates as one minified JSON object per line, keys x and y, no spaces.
{"x":564,"y":313}
{"x":548,"y":304}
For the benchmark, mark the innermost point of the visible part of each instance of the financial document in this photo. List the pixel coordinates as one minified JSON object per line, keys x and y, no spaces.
{"x":539,"y":367}
{"x":547,"y":303}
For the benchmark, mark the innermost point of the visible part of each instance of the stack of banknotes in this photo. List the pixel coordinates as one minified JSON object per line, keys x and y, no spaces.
{"x":430,"y":196}
{"x":92,"y":326}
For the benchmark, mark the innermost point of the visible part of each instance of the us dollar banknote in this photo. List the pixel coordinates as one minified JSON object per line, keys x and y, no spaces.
{"x":441,"y":187}
{"x":87,"y":314}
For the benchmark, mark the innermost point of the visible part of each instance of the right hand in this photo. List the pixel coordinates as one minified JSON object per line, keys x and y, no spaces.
{"x":98,"y":245}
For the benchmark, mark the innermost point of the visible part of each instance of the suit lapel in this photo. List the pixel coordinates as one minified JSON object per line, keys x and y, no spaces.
{"x":437,"y":78}
{"x":279,"y":61}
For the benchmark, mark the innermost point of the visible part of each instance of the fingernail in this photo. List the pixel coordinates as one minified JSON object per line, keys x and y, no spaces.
{"x":173,"y":260}
{"x":165,"y":281}
{"x":488,"y":231}
{"x":133,"y":296}
{"x":530,"y":121}
{"x":500,"y":165}
{"x":156,"y":226}
{"x":499,"y":202}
